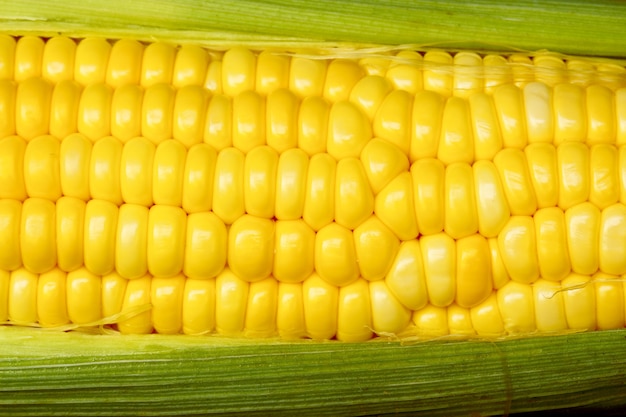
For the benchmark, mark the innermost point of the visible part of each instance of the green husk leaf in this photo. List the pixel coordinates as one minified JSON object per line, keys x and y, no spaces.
{"x":47,"y":373}
{"x":569,"y":26}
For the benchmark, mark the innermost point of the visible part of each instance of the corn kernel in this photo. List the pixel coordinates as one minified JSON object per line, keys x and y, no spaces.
{"x":206,"y":245}
{"x":70,"y":226}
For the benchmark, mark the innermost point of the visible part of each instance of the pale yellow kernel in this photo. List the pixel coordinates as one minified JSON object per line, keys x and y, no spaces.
{"x":126,"y":116}
{"x":601,"y":127}
{"x":456,"y":143}
{"x":620,"y":116}
{"x":552,"y":250}
{"x":392,"y":121}
{"x":538,"y":109}
{"x":604,"y":184}
{"x":485,"y":126}
{"x":486,"y":317}
{"x":124,"y":64}
{"x":468,"y":74}
{"x":70,"y":226}
{"x":64,"y":108}
{"x":492,"y":206}
{"x":335,"y":255}
{"x":518,"y":246}
{"x":375,"y":65}
{"x":348,"y":130}
{"x":609,"y":301}
{"x":238,"y":71}
{"x":32,"y":108}
{"x":582,"y":223}
{"x":460,"y":321}
{"x":251,"y":247}
{"x":136,"y":171}
{"x":166,"y":299}
{"x":579,"y":300}
{"x":84,"y":299}
{"x":272,"y":72}
{"x":542,"y":168}
{"x":189,"y":112}
{"x":291,"y":184}
{"x":190,"y":66}
{"x":320,"y":301}
{"x":22,"y":297}
{"x":198,"y":178}
{"x":104,"y":170}
{"x":612,"y":237}
{"x":497,"y":72}
{"x":573,"y":169}
{"x":290,"y":321}
{"x":218,"y":123}
{"x":549,"y":306}
{"x":99,"y":236}
{"x":198,"y":306}
{"x":389,"y":316}
{"x":10,"y":225}
{"x":157,"y":64}
{"x":131,"y":241}
{"x":513,"y":170}
{"x":113,"y":289}
{"x":8,"y":91}
{"x":406,"y":278}
{"x":206,"y":246}
{"x":137,"y":301}
{"x":354,"y":200}
{"x":550,"y":70}
{"x":428,"y":177}
{"x":261,"y":309}
{"x":213,"y":79}
{"x":319,"y":200}
{"x":231,"y":299}
{"x":341,"y":76}
{"x":570,"y":119}
{"x":248,"y":128}
{"x":260,"y":181}
{"x":354,"y":312}
{"x":38,"y":235}
{"x":405,"y":72}
{"x":166,"y":240}
{"x":382,"y":162}
{"x":58,"y":59}
{"x":91,"y":61}
{"x":426,"y":124}
{"x":473,"y":271}
{"x":431,"y":321}
{"x":439,"y":256}
{"x":282,"y":120}
{"x":313,"y":125}
{"x":395,"y":207}
{"x":517,"y":307}
{"x":294,"y":253}
{"x":509,"y":104}
{"x":438,"y":76}
{"x":498,"y":270}
{"x":580,"y":71}
{"x":28,"y":57}
{"x":228,"y":185}
{"x":461,"y":215}
{"x":522,"y":68}
{"x":610,"y":75}
{"x":368,"y":94}
{"x":41,"y":168}
{"x":307,"y":76}
{"x":157,"y":112}
{"x":376,"y":247}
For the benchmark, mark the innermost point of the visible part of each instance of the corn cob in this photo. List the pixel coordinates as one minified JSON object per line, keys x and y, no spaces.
{"x":264,"y":193}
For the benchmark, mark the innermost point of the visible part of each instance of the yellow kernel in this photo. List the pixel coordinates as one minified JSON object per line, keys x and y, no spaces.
{"x":189,"y":112}
{"x":218,"y":123}
{"x":550,"y":70}
{"x":136,"y":171}
{"x":157,"y":111}
{"x":604,"y":188}
{"x":190,"y":66}
{"x":461,"y":214}
{"x":498,"y":270}
{"x":368,"y":94}
{"x":294,"y":253}
{"x":248,"y":121}
{"x":405,"y":72}
{"x":32,"y":108}
{"x":582,"y":223}
{"x":549,"y":306}
{"x":431,"y":321}
{"x":213,"y":79}
{"x":74,"y":160}
{"x":428,"y":191}
{"x":282,"y":120}
{"x":131,"y":240}
{"x":198,"y":178}
{"x":38,"y":235}
{"x":460,"y":321}
{"x":341,"y":76}
{"x":313,"y":125}
{"x":376,"y":247}
{"x":166,"y":240}
{"x":99,"y":236}
{"x":354,"y":312}
{"x":206,"y":245}
{"x":320,"y":301}
{"x":609,"y":301}
{"x":260,"y":318}
{"x":473,"y":271}
{"x":84,"y":300}
{"x":51,"y":300}
{"x":58,"y":59}
{"x":291,"y":182}
{"x":231,"y":299}
{"x":496,"y":71}
{"x":166,"y":298}
{"x":569,"y":113}
{"x":290,"y":321}
{"x":600,"y":115}
{"x":539,"y":117}
{"x":392,"y":121}
{"x":319,"y":200}
{"x":492,"y":207}
{"x":228,"y":185}
{"x":104,"y":170}
{"x":91,"y":61}
{"x":456,"y":143}
{"x":468,"y":74}
{"x":126,"y":105}
{"x":335,"y":255}
{"x":426,"y":125}
{"x":28,"y":57}
{"x":124,"y":65}
{"x":251,"y":247}
{"x":382,"y":162}
{"x":157,"y":64}
{"x":238,"y":71}
{"x":579,"y":300}
{"x":168,"y":171}
{"x":7,"y":57}
{"x":113,"y":289}
{"x":70,"y":227}
{"x":260,"y":181}
{"x":438,"y":72}
{"x":307,"y":76}
{"x":10,"y":226}
{"x":517,"y":307}
{"x":8,"y":91}
{"x":552,"y":251}
{"x":581,"y":72}
{"x":12,"y":150}
{"x":395,"y":207}
{"x":198,"y":306}
{"x":573,"y":168}
{"x":272,"y":72}
{"x":439,"y":255}
{"x":354,"y":201}
{"x":612,"y":238}
{"x":522,"y":69}
{"x":485,"y":127}
{"x":486,"y":317}
{"x":513,"y":169}
{"x":518,"y":246}
{"x":389,"y":316}
{"x":348,"y":131}
{"x":22,"y":297}
{"x":406,"y":278}
{"x":542,"y":168}
{"x":510,"y":109}
{"x":64,"y":108}
{"x":94,"y":111}
{"x":620,"y":116}
{"x":136,"y":304}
